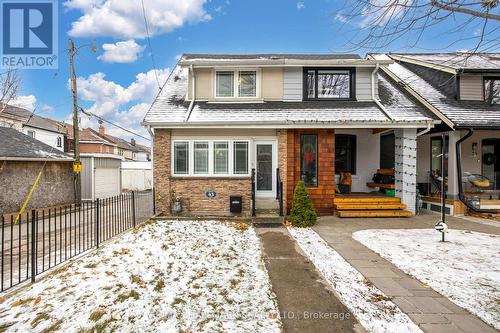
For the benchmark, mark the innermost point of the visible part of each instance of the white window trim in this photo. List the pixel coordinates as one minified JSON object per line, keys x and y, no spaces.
{"x":211,"y":173}
{"x":236,"y":73}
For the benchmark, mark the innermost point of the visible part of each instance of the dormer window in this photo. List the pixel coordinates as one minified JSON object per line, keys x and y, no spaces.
{"x":492,"y":90}
{"x":227,"y":87}
{"x":329,"y":84}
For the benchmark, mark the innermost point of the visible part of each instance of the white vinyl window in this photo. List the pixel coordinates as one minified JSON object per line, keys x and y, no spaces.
{"x":245,"y":86}
{"x":224,"y":84}
{"x":201,"y":157}
{"x":221,"y":157}
{"x":240,"y":157}
{"x":181,"y":158}
{"x":216,"y":157}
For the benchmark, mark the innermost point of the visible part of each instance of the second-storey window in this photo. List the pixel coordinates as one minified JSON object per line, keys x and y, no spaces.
{"x":224,"y":84}
{"x":328,"y":83}
{"x":492,"y":90}
{"x":227,"y":86}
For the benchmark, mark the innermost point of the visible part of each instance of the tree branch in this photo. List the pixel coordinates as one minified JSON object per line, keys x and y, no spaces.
{"x":484,"y":15}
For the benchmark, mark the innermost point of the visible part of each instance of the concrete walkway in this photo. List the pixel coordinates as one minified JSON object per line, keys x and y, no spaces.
{"x":306,"y":302}
{"x":427,"y":308}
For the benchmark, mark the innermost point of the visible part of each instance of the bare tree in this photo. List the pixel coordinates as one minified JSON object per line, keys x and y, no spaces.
{"x":9,"y":84}
{"x":381,"y":23}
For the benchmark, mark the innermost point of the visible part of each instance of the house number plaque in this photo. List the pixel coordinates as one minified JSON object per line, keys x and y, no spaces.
{"x":210,"y":194}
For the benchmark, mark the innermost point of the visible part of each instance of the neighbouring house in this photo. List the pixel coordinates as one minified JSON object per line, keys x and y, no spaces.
{"x":21,"y":159}
{"x":251,"y":125}
{"x":46,"y":130}
{"x":463,"y":90}
{"x":90,"y":142}
{"x":130,"y":151}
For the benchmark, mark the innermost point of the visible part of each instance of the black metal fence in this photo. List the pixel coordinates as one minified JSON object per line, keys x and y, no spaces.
{"x":45,"y":238}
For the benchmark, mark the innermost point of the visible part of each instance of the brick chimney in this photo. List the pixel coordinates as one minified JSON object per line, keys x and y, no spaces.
{"x":132,"y":142}
{"x":102,"y":130}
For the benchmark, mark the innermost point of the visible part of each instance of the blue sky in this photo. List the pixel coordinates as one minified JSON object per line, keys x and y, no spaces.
{"x":119,"y":84}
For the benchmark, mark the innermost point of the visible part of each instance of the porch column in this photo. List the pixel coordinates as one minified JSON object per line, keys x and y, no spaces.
{"x":406,"y":166}
{"x":453,"y":177}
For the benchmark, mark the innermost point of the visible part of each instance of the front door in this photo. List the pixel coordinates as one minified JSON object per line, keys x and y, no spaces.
{"x":491,"y":161}
{"x":265,"y":168}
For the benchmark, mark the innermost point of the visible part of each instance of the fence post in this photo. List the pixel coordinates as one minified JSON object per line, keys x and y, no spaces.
{"x":97,"y":217}
{"x":154,"y":201}
{"x":133,"y":207}
{"x":33,"y":245}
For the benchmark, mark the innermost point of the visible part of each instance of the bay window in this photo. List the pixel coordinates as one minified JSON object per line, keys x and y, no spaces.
{"x":200,"y":157}
{"x":221,"y":157}
{"x":210,"y":158}
{"x":329,"y":83}
{"x":181,"y":157}
{"x":240,"y":157}
{"x":227,"y":87}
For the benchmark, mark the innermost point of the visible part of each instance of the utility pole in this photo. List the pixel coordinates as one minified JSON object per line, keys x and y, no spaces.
{"x":76,"y":139}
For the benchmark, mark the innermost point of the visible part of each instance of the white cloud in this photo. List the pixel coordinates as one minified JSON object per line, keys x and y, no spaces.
{"x":27,"y":102}
{"x":122,"y":52}
{"x":300,"y":5}
{"x":124,"y":19}
{"x":125,"y":106}
{"x":341,"y":17}
{"x":379,"y":12}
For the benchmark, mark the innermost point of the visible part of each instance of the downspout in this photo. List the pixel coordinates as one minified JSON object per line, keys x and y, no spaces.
{"x":151,"y":133}
{"x":425,"y":131}
{"x":193,"y":90}
{"x":461,"y":195}
{"x":375,"y":99}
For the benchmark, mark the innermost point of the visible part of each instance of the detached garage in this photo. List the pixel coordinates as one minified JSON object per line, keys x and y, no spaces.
{"x":101,"y":177}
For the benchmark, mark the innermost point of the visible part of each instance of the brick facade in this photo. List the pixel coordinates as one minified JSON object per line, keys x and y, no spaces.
{"x":193,"y":190}
{"x":322,"y":195}
{"x":194,"y":199}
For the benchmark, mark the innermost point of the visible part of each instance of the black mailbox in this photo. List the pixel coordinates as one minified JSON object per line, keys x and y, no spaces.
{"x":235,"y":203}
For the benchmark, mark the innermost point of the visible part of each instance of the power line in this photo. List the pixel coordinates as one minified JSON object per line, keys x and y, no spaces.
{"x":90,"y":114}
{"x":149,"y":44}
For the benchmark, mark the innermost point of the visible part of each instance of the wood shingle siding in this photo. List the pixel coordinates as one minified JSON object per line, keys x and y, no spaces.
{"x":292,"y":84}
{"x":471,"y":87}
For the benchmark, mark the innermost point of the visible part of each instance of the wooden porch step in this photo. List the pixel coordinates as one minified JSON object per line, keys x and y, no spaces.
{"x":364,"y":200}
{"x":369,"y":206}
{"x":374,"y":213}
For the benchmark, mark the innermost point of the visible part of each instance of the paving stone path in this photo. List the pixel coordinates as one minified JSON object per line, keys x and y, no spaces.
{"x":430,"y":310}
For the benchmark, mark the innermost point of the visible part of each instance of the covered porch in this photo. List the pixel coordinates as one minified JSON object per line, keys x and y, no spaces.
{"x":380,"y":163}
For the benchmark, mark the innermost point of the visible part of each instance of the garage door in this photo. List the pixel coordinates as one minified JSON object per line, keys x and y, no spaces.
{"x":107,"y":182}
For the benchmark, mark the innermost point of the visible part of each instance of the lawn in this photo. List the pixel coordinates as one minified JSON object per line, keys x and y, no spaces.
{"x":165,"y":276}
{"x":373,"y":309}
{"x":465,"y":268}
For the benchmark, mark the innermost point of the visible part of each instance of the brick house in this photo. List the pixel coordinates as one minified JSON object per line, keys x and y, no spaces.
{"x":223,"y":122}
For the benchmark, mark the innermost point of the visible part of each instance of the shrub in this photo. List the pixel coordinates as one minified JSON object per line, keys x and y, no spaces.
{"x":302,"y":214}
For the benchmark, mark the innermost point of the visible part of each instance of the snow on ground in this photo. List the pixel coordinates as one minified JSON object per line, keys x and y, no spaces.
{"x":166,"y":276}
{"x":465,"y":268}
{"x":372,"y":307}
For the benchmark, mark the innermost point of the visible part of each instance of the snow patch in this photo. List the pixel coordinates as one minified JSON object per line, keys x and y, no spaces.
{"x":465,"y":268}
{"x":370,"y":306}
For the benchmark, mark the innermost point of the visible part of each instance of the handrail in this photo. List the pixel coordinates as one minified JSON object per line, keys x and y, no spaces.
{"x":253,"y":192}
{"x":279,"y":190}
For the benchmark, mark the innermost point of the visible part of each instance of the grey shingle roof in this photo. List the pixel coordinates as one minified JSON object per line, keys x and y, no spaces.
{"x":170,"y":107}
{"x":18,"y":145}
{"x":33,"y":120}
{"x":458,"y":60}
{"x":461,"y":113}
{"x":270,"y":56}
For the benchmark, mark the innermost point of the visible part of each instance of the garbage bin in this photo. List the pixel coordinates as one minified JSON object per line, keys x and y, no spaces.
{"x":235,"y":203}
